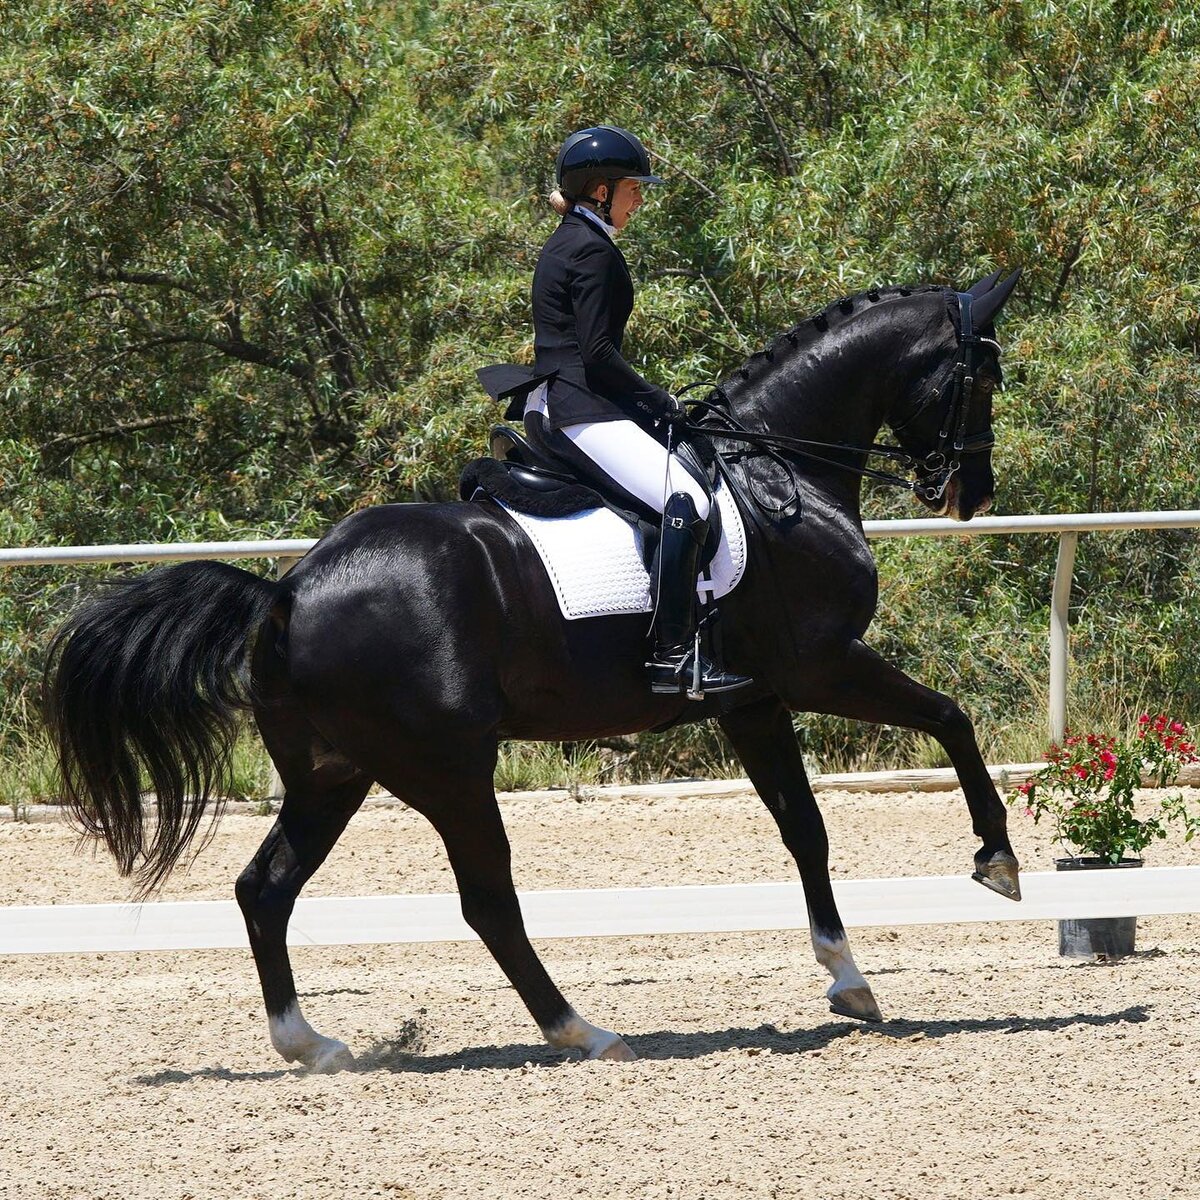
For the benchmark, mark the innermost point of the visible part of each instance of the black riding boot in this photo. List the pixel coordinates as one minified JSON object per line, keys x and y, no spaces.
{"x":673,"y":667}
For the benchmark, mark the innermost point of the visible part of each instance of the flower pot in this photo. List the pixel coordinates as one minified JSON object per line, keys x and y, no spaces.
{"x":1112,"y":937}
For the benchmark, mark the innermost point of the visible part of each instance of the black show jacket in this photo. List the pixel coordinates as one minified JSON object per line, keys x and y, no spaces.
{"x":582,"y":298}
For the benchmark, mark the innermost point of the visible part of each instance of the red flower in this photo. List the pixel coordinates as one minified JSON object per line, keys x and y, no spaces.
{"x":1109,"y":772}
{"x":1160,"y":723}
{"x":1176,"y":727}
{"x":1144,"y":719}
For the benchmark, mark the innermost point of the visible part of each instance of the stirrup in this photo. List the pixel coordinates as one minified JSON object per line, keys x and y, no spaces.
{"x":680,"y":669}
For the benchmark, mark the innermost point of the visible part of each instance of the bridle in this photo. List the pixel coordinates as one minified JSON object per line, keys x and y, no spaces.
{"x":937,"y":467}
{"x":953,"y":440}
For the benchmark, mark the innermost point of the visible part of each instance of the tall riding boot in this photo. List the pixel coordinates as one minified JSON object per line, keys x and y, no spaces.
{"x":673,"y":667}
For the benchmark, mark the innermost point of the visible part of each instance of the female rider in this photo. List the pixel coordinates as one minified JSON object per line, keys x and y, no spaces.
{"x":582,"y":298}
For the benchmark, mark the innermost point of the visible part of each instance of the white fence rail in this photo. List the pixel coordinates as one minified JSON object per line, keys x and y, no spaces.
{"x":603,"y":912}
{"x":1068,"y":527}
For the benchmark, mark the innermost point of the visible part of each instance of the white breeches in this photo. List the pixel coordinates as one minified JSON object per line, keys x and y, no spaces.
{"x":641,"y":465}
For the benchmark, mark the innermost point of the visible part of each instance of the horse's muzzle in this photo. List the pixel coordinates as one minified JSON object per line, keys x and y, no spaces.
{"x":959,"y":506}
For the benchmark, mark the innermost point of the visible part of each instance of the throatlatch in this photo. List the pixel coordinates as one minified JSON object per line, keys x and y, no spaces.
{"x":677,"y":663}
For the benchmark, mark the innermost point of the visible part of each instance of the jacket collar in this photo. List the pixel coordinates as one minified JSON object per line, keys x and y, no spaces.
{"x":578,"y":219}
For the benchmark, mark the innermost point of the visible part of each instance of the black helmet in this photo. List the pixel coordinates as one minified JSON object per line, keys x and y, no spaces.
{"x":601,"y":151}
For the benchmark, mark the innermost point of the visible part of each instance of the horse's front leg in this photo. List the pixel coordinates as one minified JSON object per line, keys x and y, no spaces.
{"x":868,"y":688}
{"x":763,"y":737}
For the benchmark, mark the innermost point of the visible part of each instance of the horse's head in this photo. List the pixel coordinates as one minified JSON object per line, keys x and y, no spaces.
{"x":944,"y":420}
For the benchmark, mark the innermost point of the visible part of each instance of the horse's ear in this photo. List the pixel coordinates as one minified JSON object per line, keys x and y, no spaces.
{"x":985,"y":285}
{"x":987,"y":306}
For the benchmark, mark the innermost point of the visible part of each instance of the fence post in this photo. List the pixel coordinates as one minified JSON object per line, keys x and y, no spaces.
{"x":283,"y":565}
{"x":1060,"y":605}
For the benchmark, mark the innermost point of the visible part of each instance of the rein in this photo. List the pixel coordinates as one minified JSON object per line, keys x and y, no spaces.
{"x":942,"y":463}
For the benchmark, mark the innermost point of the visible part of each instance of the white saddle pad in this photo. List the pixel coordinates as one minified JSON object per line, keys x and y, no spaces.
{"x":594,"y":559}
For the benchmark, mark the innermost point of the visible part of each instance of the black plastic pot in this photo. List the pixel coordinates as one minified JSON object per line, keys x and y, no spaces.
{"x":1112,"y":937}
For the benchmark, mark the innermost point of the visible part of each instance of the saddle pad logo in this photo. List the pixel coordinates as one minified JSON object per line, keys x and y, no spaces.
{"x":594,"y":559}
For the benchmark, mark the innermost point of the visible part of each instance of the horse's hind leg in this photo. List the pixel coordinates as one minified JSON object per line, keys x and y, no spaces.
{"x":322,"y":791}
{"x":763,"y":737}
{"x":460,"y":802}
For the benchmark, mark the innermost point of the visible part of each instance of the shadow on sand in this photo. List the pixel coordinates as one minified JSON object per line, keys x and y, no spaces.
{"x":403,"y":1054}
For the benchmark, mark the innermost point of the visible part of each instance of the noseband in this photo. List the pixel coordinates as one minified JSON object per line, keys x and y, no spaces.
{"x":938,"y":466}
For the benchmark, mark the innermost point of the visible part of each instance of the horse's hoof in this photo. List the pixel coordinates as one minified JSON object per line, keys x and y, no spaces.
{"x":616,"y":1051}
{"x":1000,"y":874}
{"x":330,"y":1059}
{"x":856,"y":1002}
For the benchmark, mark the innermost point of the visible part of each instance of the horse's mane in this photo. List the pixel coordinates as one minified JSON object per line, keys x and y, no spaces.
{"x":811,"y":329}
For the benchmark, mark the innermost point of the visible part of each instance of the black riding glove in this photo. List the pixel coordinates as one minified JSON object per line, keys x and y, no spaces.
{"x":674,"y":414}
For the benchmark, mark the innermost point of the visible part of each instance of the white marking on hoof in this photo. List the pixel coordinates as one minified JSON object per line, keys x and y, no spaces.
{"x":833,"y":953}
{"x":298,"y":1041}
{"x":574,"y":1033}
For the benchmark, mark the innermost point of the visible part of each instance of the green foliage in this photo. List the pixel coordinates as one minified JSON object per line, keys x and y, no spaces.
{"x":525,"y":767}
{"x":28,"y":775}
{"x":252,"y":254}
{"x":249,"y":769}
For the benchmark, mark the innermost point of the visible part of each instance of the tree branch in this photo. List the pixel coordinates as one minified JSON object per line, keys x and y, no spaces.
{"x":741,"y":337}
{"x":1069,"y":261}
{"x":98,"y":435}
{"x":789,"y":166}
{"x":149,"y":279}
{"x":689,"y":177}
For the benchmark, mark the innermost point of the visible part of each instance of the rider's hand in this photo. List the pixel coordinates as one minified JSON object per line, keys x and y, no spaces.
{"x":675,"y":414}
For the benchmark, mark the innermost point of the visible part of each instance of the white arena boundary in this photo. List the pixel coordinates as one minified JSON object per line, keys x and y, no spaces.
{"x":603,"y":912}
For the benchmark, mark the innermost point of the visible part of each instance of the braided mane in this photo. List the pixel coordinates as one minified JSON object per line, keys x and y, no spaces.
{"x":811,"y":329}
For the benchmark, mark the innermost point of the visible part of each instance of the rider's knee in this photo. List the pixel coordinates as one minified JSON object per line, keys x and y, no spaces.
{"x":683,"y":482}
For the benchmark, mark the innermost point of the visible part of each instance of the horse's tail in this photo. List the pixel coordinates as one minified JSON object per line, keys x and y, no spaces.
{"x":142,"y":690}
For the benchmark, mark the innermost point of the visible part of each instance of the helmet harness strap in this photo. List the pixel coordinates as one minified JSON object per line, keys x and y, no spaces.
{"x":604,"y":207}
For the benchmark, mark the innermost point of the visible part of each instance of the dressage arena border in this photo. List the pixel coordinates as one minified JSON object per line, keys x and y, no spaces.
{"x":328,"y":921}
{"x":603,"y":912}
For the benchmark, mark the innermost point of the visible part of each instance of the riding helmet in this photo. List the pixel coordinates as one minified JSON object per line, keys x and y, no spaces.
{"x":601,"y":152}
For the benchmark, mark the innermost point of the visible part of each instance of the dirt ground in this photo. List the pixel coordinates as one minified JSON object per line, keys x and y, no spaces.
{"x":1001,"y":1069}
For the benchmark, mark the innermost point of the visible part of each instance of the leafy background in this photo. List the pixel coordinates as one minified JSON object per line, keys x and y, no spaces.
{"x":252,"y":254}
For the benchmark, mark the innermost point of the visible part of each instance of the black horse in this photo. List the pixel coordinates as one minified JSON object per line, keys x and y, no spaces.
{"x":414,"y":637}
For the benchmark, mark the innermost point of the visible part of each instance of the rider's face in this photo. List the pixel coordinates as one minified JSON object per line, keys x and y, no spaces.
{"x":627,"y":199}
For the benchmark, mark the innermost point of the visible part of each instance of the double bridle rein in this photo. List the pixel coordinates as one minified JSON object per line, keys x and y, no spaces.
{"x":938,"y":466}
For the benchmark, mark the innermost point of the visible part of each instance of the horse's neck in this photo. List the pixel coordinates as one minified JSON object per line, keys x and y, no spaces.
{"x":836,"y":392}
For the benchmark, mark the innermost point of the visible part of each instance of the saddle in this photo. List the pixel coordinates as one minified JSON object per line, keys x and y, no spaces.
{"x":542,"y":473}
{"x":597,"y":542}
